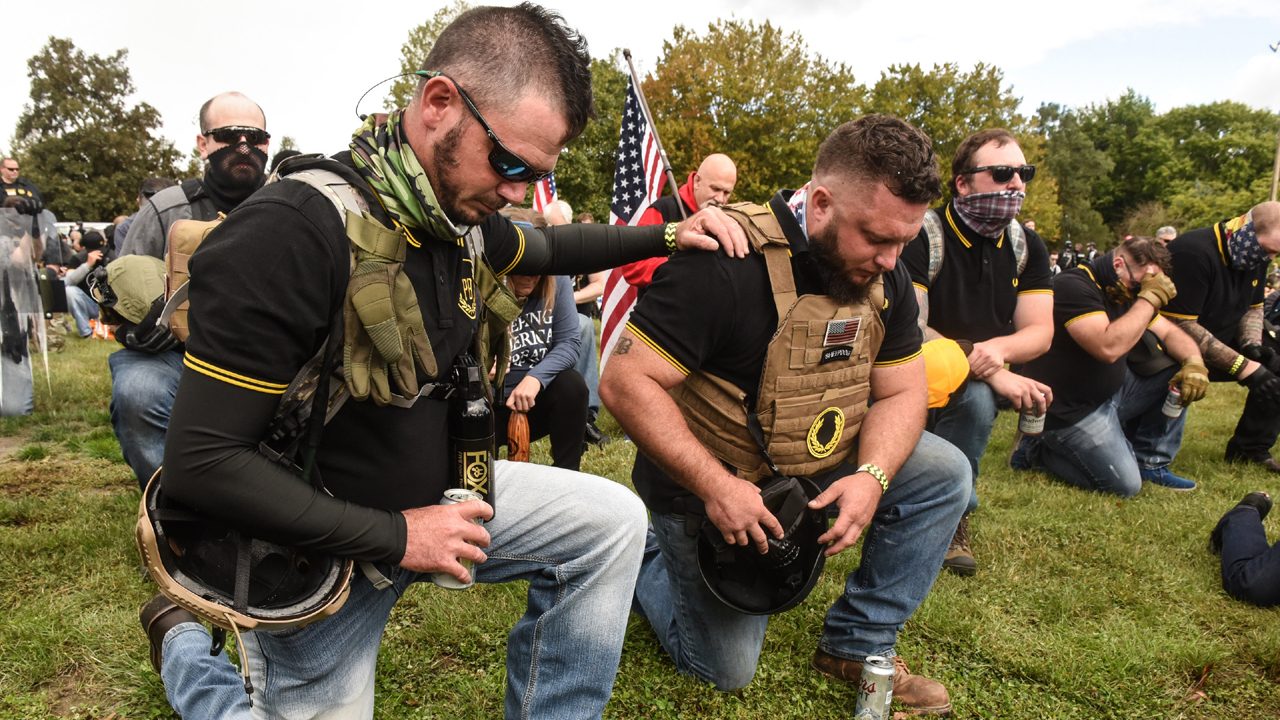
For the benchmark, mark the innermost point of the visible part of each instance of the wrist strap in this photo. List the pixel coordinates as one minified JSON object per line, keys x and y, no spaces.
{"x":669,"y":237}
{"x":1236,"y":366}
{"x":874,"y":471}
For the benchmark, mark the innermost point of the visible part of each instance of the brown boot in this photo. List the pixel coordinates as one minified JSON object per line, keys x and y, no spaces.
{"x":959,"y":558}
{"x":159,"y":616}
{"x":918,"y":694}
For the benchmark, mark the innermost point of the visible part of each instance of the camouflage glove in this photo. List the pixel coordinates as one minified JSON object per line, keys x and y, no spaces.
{"x":1157,"y":290}
{"x":1192,"y":381}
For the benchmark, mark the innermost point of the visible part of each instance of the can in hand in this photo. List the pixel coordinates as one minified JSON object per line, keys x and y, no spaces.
{"x":453,"y":496}
{"x":1029,"y":423}
{"x":1172,"y":408}
{"x":875,"y":689}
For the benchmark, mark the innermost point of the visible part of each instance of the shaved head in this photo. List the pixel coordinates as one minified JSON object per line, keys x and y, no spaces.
{"x":714,"y":181}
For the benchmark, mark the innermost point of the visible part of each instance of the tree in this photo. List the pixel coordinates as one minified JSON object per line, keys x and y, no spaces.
{"x":752,"y":92}
{"x":1125,"y":130}
{"x":1078,"y":166}
{"x":81,"y":144}
{"x":584,"y":173}
{"x":947,"y":104}
{"x":414,"y":51}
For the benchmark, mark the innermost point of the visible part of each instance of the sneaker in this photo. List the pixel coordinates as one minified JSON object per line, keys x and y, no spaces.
{"x":1164,"y":478}
{"x":1257,"y":500}
{"x":919,"y":694}
{"x":959,"y":557}
{"x":594,"y":435}
{"x":158,"y":617}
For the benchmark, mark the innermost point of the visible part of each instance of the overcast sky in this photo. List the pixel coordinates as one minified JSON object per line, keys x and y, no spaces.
{"x":306,"y":63}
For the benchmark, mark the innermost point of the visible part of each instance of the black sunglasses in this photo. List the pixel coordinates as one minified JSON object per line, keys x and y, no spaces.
{"x":1004,"y":173}
{"x":509,"y":166}
{"x":231,"y":134}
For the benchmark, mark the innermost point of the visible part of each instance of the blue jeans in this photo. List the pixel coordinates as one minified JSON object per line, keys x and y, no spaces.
{"x":82,"y":308}
{"x":589,"y":360}
{"x":576,"y":539}
{"x":142,"y":390}
{"x":1104,"y":450}
{"x":902,"y":551}
{"x":1250,"y":565}
{"x":966,"y":422}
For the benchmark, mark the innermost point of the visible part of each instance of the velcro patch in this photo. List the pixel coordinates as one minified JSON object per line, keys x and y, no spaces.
{"x":844,"y":352}
{"x":842,"y":332}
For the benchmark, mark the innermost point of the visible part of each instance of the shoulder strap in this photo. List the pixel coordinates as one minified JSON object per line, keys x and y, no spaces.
{"x":1018,"y":238}
{"x":933,"y":231}
{"x":765,"y":234}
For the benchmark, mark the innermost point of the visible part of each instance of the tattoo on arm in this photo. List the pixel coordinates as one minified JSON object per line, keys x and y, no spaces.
{"x":623,"y":347}
{"x":1251,"y":327}
{"x":1216,"y":354}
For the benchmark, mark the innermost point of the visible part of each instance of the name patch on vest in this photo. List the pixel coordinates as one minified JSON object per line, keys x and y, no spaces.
{"x":842,"y":332}
{"x":836,"y":353}
{"x":825,"y":432}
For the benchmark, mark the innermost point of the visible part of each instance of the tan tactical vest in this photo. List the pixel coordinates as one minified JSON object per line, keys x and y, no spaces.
{"x":816,"y":380}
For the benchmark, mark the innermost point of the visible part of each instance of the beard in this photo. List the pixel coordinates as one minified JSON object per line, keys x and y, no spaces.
{"x":837,"y":278}
{"x":444,"y":181}
{"x":239,"y":166}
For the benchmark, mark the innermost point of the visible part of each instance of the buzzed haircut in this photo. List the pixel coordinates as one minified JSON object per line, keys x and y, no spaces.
{"x":204,"y":109}
{"x":1146,"y":250}
{"x":970,"y":145}
{"x":153,"y":185}
{"x":886,"y":149}
{"x":1265,"y":216}
{"x":500,"y":53}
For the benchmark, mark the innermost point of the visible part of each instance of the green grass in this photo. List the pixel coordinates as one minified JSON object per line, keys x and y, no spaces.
{"x":1085,"y":606}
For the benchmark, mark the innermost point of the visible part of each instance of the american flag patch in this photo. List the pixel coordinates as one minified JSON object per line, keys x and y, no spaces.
{"x":842,"y":332}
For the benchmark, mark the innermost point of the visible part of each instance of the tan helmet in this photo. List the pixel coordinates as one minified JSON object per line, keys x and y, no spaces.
{"x":232,"y":580}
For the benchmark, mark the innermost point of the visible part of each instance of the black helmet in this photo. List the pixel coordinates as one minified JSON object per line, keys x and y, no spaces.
{"x":196,"y":561}
{"x":779,"y":580}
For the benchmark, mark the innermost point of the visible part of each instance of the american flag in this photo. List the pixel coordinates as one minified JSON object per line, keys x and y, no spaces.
{"x":544,"y":194}
{"x":637,"y":181}
{"x":842,"y":332}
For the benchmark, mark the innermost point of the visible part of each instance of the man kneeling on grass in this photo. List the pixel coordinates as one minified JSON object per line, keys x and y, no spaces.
{"x":733,"y":372}
{"x":1109,"y":428}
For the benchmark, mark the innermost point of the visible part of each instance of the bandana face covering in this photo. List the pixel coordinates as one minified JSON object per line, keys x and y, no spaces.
{"x":384,"y":159}
{"x":798,"y":202}
{"x":1104,"y":271}
{"x":1242,"y":244}
{"x":989,"y":213}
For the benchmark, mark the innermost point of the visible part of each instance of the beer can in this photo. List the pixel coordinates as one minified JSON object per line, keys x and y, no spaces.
{"x":453,"y":496}
{"x":1172,"y":403}
{"x":1029,"y":423}
{"x":875,"y":689}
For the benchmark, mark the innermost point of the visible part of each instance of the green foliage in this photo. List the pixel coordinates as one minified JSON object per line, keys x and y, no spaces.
{"x":584,"y":173}
{"x":414,"y":51}
{"x":947,"y":103}
{"x":1077,"y":166}
{"x":83,"y":146}
{"x":752,"y":92}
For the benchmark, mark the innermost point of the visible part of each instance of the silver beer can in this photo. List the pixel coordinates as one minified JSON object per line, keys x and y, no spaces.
{"x":1029,"y":423}
{"x":453,"y":496}
{"x":1172,"y":408}
{"x":875,"y":689}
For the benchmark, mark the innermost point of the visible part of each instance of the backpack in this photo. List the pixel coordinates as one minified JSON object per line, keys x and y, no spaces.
{"x":933,"y":229}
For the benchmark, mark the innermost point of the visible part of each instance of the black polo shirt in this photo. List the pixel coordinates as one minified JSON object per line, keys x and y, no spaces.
{"x":707,"y":311}
{"x":1210,"y":291}
{"x":978,"y":285}
{"x":1080,"y":381}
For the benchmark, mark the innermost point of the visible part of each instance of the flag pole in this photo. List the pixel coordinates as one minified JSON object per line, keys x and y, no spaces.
{"x":662,"y":153}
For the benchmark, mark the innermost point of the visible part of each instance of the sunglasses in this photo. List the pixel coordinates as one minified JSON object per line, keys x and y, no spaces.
{"x":1004,"y":173}
{"x":231,"y":134}
{"x":509,"y":166}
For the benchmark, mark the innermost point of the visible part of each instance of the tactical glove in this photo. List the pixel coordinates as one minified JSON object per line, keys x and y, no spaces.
{"x":385,"y":341}
{"x":1266,"y":384}
{"x":1192,"y":381}
{"x":149,"y":336}
{"x":28,"y":206}
{"x":1157,"y":290}
{"x":1262,"y":355}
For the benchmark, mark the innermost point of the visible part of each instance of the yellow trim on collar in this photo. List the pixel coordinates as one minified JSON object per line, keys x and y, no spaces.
{"x":1222,"y":250}
{"x":658,"y":349}
{"x":231,"y":378}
